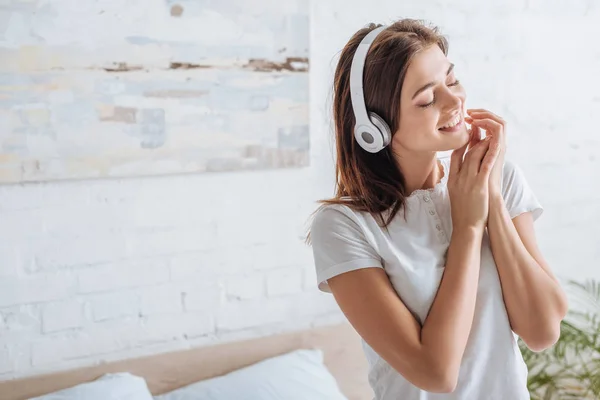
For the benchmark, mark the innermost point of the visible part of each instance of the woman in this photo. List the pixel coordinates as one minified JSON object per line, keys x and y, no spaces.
{"x":433,"y":261}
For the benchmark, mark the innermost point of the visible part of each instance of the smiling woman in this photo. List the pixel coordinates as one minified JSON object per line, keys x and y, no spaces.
{"x":433,"y":261}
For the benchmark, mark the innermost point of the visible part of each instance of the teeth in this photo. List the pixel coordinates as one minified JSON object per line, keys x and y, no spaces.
{"x":453,"y":123}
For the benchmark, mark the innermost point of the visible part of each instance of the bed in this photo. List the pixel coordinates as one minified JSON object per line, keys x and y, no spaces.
{"x":340,"y":344}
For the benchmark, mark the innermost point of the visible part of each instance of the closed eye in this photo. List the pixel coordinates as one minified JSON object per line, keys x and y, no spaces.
{"x":455,"y":83}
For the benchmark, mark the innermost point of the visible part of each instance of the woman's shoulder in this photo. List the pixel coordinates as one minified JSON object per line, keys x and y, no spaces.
{"x":344,"y":219}
{"x":333,"y":221}
{"x":333,"y":214}
{"x":343,"y":215}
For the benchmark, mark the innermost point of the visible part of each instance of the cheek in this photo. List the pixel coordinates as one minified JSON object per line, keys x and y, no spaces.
{"x":421,"y":121}
{"x":416,"y":128}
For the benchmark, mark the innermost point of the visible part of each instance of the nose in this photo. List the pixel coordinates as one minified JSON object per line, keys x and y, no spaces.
{"x":453,"y":100}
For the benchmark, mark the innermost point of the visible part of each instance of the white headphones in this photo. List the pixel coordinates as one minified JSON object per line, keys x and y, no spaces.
{"x":371,"y":132}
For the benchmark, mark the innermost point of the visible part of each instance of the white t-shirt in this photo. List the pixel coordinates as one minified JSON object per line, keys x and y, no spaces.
{"x":413,"y":255}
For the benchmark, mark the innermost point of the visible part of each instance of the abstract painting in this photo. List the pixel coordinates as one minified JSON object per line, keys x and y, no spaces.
{"x":103,"y":89}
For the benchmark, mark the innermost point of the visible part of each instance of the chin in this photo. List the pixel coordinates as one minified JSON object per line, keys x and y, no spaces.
{"x":455,"y":140}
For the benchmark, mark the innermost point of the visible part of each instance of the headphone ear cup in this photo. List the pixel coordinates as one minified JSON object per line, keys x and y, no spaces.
{"x":383,"y":127}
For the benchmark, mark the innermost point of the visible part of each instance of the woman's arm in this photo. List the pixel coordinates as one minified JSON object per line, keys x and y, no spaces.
{"x":372,"y":306}
{"x":534,"y":300}
{"x":533,"y":297}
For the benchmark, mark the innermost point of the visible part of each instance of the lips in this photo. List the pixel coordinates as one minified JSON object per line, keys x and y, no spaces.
{"x":452,"y":122}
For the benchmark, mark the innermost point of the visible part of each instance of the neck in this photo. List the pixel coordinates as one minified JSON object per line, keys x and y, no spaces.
{"x":420,"y":172}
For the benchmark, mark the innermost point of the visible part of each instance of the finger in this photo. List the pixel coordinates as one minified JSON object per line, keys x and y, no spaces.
{"x":487,"y":164}
{"x":475,"y":136}
{"x":474,"y":157}
{"x":480,"y":113}
{"x":494,"y":127}
{"x":472,"y":112}
{"x":456,"y":160}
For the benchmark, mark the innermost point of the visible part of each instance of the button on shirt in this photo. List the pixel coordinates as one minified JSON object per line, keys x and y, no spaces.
{"x":413,"y":254}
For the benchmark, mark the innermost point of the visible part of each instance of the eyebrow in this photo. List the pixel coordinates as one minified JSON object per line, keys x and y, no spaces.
{"x":430,"y":84}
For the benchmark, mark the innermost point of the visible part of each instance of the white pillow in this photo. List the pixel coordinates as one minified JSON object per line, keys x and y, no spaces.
{"x":299,"y":375}
{"x":120,"y":386}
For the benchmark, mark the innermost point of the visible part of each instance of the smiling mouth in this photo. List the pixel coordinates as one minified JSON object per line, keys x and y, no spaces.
{"x":453,"y":125}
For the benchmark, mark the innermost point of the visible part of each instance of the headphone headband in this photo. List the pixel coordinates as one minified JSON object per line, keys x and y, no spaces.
{"x":356,"y":75}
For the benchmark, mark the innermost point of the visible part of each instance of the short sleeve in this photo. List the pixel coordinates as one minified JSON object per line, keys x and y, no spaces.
{"x":339,"y":245}
{"x":517,"y":194}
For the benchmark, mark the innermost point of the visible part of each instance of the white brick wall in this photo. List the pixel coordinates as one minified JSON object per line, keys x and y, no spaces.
{"x":202,"y":296}
{"x":113,"y":305}
{"x":36,"y":288}
{"x":285,"y":281}
{"x":5,"y":361}
{"x":245,"y":287}
{"x":62,"y":315}
{"x":100,"y":270}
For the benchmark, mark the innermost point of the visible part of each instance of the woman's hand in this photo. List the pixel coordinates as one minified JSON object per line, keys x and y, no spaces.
{"x":468,"y":182}
{"x":495,"y":127}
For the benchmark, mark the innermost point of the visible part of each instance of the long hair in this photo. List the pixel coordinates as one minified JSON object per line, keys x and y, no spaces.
{"x":373,"y":182}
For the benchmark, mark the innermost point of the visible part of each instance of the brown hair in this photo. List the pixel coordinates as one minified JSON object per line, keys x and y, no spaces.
{"x":373,"y":182}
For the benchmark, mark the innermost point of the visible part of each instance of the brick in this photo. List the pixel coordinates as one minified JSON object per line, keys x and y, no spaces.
{"x":95,"y":221}
{"x":284,"y":281}
{"x":50,"y":254}
{"x":58,"y":316}
{"x":114,"y":305}
{"x":202,"y":297}
{"x":251,"y":314}
{"x":160,"y":328}
{"x":21,"y":225}
{"x":277,"y":255}
{"x":53,"y":350}
{"x":125,"y":274}
{"x":245,"y":287}
{"x":37,"y":289}
{"x":113,"y":194}
{"x":258,"y":228}
{"x":211,"y":263}
{"x":15,"y":357}
{"x":195,"y":266}
{"x":10,"y":261}
{"x":150,"y":210}
{"x":6,"y":364}
{"x":172,"y":241}
{"x":17,"y":321}
{"x":240,"y":260}
{"x":164,"y":299}
{"x":27,"y":197}
{"x":70,"y":348}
